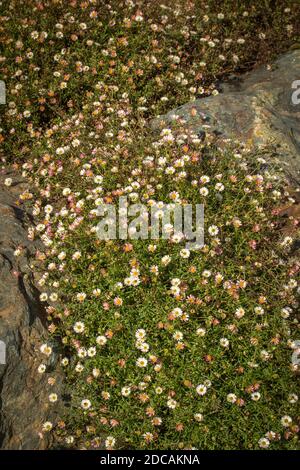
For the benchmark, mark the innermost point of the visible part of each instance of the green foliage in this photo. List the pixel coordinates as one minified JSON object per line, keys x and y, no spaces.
{"x":217,"y":326}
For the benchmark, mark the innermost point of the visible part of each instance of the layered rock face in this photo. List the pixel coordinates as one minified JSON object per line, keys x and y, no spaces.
{"x":262,"y":107}
{"x":24,"y":404}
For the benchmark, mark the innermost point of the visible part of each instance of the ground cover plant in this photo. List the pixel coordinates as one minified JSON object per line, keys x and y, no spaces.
{"x":162,"y":347}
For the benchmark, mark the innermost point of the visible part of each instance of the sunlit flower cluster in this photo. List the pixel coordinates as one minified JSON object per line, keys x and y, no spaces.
{"x":162,"y":346}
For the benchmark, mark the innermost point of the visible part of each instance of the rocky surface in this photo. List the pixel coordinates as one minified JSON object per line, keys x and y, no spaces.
{"x":256,"y":109}
{"x":24,"y":404}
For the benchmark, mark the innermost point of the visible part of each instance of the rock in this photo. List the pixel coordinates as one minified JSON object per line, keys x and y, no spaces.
{"x":256,"y":109}
{"x":24,"y":404}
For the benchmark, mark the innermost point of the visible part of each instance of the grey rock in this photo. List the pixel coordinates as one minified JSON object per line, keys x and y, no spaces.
{"x":256,"y":108}
{"x":24,"y":404}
